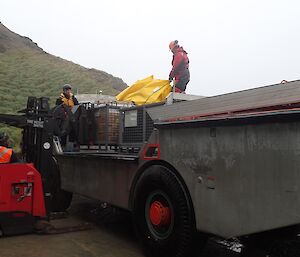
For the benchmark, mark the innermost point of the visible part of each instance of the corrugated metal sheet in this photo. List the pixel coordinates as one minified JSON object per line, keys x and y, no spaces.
{"x":269,"y":97}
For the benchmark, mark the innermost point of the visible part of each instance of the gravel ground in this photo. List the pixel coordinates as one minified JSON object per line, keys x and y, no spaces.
{"x":111,"y":235}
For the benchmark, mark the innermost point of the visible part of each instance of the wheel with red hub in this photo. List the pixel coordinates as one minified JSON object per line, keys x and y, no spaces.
{"x":159,"y":214}
{"x":163,"y":214}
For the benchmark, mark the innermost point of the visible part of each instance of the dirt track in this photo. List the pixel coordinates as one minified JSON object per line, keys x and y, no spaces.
{"x":111,"y":236}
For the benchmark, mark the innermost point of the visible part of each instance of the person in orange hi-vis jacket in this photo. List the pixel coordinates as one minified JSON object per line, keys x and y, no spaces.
{"x":7,"y":154}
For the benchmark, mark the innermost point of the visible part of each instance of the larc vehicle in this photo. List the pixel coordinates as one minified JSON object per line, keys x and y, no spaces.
{"x":226,"y":165}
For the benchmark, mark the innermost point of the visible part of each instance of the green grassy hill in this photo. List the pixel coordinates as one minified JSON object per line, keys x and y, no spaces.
{"x":26,"y":70}
{"x":39,"y":74}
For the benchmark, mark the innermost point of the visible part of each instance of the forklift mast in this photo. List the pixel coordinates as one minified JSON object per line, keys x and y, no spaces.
{"x":37,"y":126}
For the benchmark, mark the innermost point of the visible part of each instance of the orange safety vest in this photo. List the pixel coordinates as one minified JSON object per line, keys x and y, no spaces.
{"x":5,"y":154}
{"x":66,"y":101}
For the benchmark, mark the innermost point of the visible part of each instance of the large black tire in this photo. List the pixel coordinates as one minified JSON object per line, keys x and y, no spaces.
{"x":175,"y":236}
{"x":61,"y":199}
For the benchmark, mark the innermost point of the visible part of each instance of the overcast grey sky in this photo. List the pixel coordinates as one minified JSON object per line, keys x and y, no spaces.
{"x":232,"y":44}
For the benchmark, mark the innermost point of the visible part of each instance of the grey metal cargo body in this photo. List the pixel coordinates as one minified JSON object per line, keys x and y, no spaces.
{"x":238,"y":165}
{"x":243,"y":177}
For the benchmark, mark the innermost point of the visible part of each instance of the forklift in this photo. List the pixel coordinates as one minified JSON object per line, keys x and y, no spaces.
{"x":21,"y":198}
{"x":30,"y":190}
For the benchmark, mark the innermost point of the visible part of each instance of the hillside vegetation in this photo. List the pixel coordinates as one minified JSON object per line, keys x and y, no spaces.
{"x":26,"y":70}
{"x":39,"y":74}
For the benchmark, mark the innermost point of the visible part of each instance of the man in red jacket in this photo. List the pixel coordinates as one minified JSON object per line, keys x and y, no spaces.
{"x":180,"y":70}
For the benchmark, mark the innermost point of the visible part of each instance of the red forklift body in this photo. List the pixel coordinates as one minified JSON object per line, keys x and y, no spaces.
{"x":21,"y":197}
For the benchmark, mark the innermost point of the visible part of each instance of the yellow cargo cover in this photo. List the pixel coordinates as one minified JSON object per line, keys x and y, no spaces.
{"x":146,"y":91}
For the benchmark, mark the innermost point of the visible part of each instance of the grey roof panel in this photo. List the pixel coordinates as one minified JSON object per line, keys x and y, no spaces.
{"x":262,"y":97}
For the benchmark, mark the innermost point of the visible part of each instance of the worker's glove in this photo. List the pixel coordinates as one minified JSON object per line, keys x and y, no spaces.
{"x":170,"y":79}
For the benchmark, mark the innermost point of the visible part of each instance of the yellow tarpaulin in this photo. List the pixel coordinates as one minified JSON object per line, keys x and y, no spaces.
{"x":146,"y":91}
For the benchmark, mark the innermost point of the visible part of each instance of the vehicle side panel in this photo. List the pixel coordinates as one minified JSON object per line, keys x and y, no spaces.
{"x":242,"y":179}
{"x":104,"y":179}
